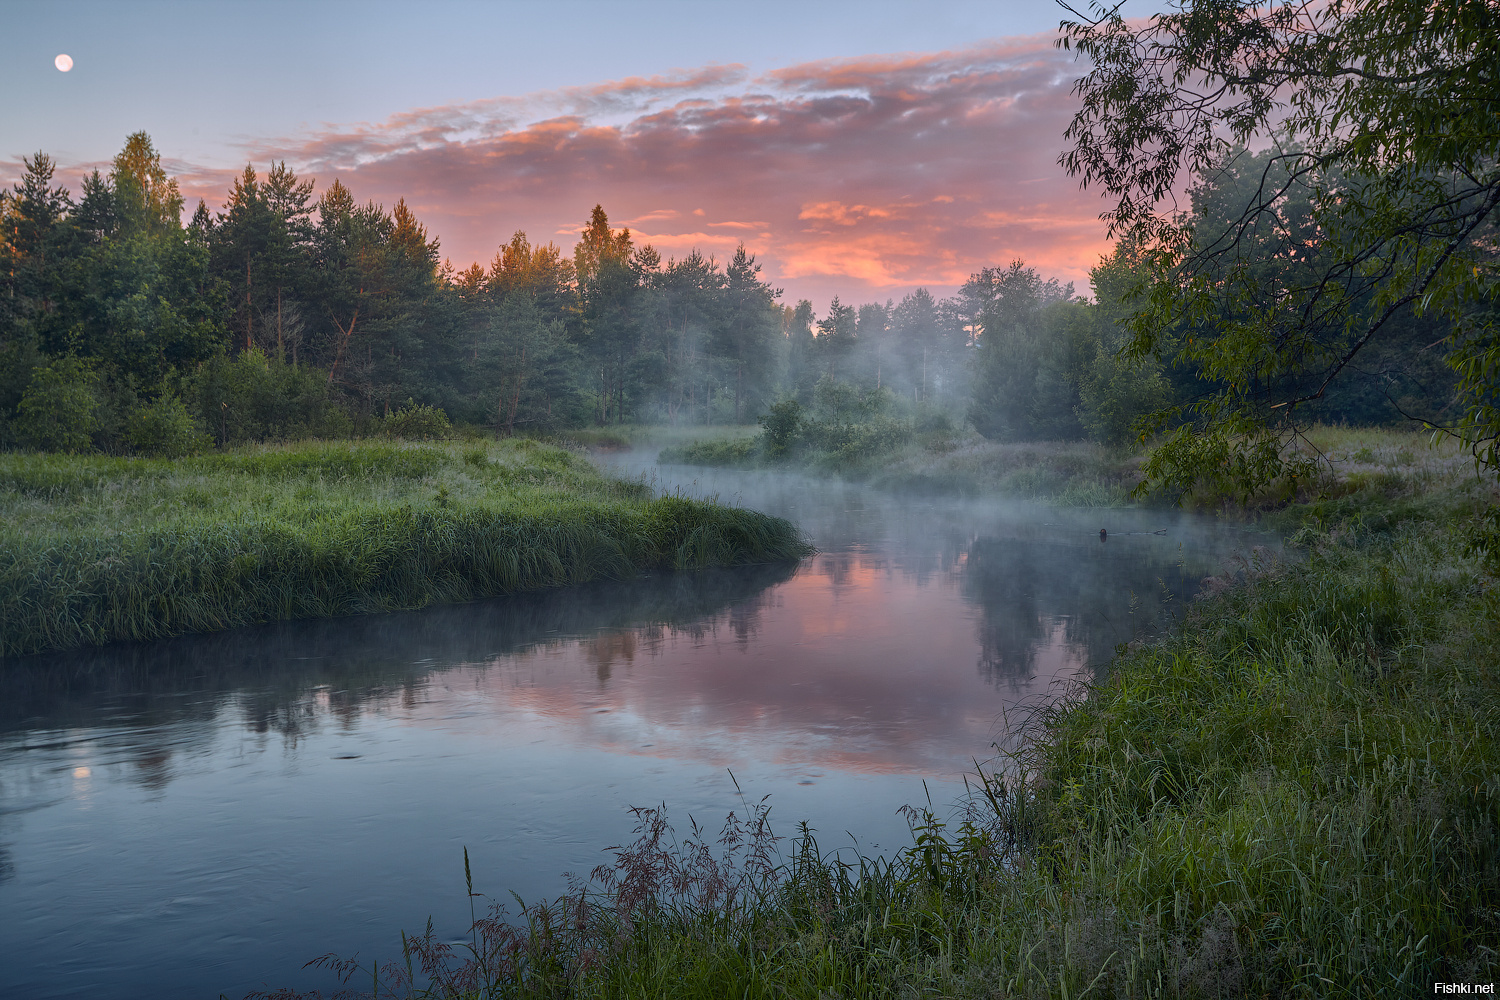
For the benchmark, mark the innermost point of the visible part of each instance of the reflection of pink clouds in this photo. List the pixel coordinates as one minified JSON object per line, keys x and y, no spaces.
{"x":852,"y":665}
{"x":864,"y":178}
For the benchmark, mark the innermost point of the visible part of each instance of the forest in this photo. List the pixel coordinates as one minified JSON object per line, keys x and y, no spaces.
{"x":300,"y":312}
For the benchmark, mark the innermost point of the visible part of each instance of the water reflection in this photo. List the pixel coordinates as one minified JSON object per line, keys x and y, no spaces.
{"x":1105,"y":596}
{"x":204,"y":814}
{"x":263,"y":675}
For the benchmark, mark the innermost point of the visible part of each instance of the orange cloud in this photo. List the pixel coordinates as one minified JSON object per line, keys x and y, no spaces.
{"x":840,"y":214}
{"x":865,"y":178}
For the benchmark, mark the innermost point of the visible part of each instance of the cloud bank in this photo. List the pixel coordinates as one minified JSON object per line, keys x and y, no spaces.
{"x":864,"y":178}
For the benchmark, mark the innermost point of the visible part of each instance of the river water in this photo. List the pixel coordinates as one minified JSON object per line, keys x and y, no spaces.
{"x":205,"y":814}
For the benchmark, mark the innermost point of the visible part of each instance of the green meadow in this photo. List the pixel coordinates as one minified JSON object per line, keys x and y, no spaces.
{"x":95,"y":549}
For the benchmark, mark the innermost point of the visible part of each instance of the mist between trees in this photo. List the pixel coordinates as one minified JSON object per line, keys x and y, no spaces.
{"x":290,"y":316}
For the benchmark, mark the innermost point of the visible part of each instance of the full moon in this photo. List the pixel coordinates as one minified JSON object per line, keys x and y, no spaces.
{"x":63,"y":62}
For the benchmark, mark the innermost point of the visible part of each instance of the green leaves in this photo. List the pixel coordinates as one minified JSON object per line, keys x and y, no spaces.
{"x":1377,"y":199}
{"x":59,"y":409}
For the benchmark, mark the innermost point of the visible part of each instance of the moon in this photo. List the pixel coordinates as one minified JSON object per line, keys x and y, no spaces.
{"x":63,"y":62}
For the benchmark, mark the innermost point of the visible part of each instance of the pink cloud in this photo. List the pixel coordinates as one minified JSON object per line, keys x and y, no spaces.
{"x":864,"y":178}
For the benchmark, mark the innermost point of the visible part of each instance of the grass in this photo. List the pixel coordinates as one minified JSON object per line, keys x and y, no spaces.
{"x":1067,"y":473}
{"x":625,"y":436}
{"x":1083,"y":473}
{"x":1297,"y":794}
{"x":97,"y":549}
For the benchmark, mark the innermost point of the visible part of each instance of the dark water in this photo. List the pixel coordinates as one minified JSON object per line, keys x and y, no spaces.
{"x":206,"y":814}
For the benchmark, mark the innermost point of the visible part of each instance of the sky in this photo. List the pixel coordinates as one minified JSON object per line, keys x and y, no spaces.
{"x":858,"y":149}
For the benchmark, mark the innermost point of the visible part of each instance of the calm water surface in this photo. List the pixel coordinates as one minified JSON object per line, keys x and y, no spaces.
{"x":204,"y":815}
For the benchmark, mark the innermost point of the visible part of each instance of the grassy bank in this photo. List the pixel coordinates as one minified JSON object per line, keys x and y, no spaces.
{"x":1069,"y":473}
{"x":1296,"y":794}
{"x":623,"y":437}
{"x":1077,"y":473}
{"x":96,"y":549}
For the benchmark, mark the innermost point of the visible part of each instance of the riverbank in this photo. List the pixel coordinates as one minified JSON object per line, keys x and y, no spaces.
{"x":1296,"y":793}
{"x":97,"y":549}
{"x":1075,"y":473}
{"x":953,"y":463}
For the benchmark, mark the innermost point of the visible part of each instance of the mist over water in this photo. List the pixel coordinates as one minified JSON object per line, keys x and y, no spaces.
{"x":206,"y":814}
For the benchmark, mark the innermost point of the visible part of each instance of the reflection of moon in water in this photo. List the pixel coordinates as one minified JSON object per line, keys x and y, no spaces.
{"x":63,"y":62}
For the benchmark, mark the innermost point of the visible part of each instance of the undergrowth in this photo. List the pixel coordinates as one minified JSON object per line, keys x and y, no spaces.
{"x":96,"y":549}
{"x":1296,"y":794}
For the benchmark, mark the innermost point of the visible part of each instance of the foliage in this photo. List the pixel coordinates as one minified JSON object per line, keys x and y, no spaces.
{"x":299,"y":312}
{"x":252,"y":397}
{"x":416,"y":422}
{"x":59,"y":409}
{"x":1117,"y":393}
{"x":165,"y":429}
{"x":782,"y":423}
{"x":1022,"y":361}
{"x":1376,"y":200}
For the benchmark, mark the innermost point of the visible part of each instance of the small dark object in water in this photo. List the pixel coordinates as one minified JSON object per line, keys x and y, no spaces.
{"x":1103,"y":535}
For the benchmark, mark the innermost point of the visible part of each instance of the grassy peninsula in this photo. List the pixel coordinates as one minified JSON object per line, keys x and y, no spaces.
{"x":1295,"y":794}
{"x":95,"y":549}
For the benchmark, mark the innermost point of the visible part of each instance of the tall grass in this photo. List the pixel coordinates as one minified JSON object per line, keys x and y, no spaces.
{"x":1297,"y":794}
{"x":96,"y":549}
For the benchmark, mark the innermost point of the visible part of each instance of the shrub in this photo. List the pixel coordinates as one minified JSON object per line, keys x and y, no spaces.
{"x":845,"y":441}
{"x":782,"y":425}
{"x":416,"y":422}
{"x":59,"y":410}
{"x":931,"y":421}
{"x":739,"y":451}
{"x":165,"y":429}
{"x":18,"y":359}
{"x":251,"y":397}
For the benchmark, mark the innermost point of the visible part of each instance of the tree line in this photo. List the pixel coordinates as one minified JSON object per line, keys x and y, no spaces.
{"x":295,"y":313}
{"x":1351,"y":265}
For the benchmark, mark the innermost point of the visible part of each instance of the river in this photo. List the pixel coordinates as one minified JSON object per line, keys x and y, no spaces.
{"x":205,"y":814}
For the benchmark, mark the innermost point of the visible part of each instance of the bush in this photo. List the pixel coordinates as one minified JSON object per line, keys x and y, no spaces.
{"x":782,"y":424}
{"x":18,"y":359}
{"x":416,"y":422}
{"x":251,"y":397}
{"x":845,"y":441}
{"x":59,"y":409}
{"x":165,"y":429}
{"x":931,"y":421}
{"x":850,"y":422}
{"x":739,"y":451}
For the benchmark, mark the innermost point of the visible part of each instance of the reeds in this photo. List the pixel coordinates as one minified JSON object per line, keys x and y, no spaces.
{"x":96,"y":549}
